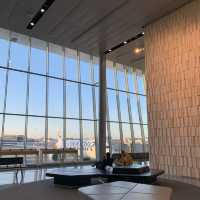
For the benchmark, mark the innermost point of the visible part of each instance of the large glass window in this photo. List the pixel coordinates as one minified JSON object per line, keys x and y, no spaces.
{"x":37,"y":95}
{"x":89,"y":151}
{"x":54,"y":82}
{"x":56,"y":60}
{"x":71,"y":64}
{"x":4,"y":47}
{"x":55,"y":133}
{"x":36,"y":132}
{"x":38,"y":56}
{"x":14,"y":132}
{"x":87,"y":104}
{"x":19,"y":51}
{"x":16,"y":94}
{"x":2,"y":88}
{"x":85,"y":68}
{"x":115,"y":137}
{"x":72,"y":101}
{"x":112,"y":105}
{"x":55,"y":98}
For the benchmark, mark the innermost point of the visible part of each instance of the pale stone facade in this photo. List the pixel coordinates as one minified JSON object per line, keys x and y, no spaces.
{"x":172,"y":59}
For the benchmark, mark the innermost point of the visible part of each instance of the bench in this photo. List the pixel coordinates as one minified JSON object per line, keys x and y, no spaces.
{"x":121,"y":190}
{"x":12,"y":163}
{"x":82,"y":175}
{"x":20,"y":153}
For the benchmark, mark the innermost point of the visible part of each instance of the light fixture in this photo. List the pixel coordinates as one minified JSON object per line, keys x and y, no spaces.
{"x":42,"y":10}
{"x":138,"y":50}
{"x":139,"y":35}
{"x":32,"y":24}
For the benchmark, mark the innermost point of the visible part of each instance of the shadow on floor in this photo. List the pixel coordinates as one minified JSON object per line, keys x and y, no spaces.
{"x":46,"y":190}
{"x":181,"y":191}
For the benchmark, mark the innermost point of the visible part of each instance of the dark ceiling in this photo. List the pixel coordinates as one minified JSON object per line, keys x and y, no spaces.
{"x":90,"y":26}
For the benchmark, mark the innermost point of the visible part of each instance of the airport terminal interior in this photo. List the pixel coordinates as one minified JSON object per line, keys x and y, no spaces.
{"x":100,"y":99}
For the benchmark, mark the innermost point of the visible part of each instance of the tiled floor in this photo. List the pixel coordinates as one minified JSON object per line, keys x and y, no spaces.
{"x":34,"y":175}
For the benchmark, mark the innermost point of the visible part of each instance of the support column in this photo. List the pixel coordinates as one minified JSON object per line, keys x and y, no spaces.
{"x":102,"y":106}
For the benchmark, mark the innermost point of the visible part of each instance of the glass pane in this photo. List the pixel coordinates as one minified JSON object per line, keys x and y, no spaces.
{"x":71,"y":64}
{"x":112,"y":105}
{"x":4,"y":45}
{"x":96,"y":70}
{"x":2,"y":88}
{"x":37,"y":95}
{"x":145,"y":127}
{"x":110,"y":75}
{"x":87,"y":103}
{"x":131,"y":82}
{"x":73,"y":134}
{"x":19,"y":51}
{"x":123,"y":107}
{"x":72,"y":101}
{"x":89,"y":151}
{"x":140,"y":84}
{"x":14,"y":132}
{"x":121,"y":78}
{"x":55,"y":133}
{"x":115,"y":135}
{"x":36,"y":132}
{"x":127,"y":139}
{"x":1,"y":118}
{"x":97,"y":101}
{"x":134,"y":108}
{"x":16,"y":99}
{"x":138,"y":146}
{"x":55,"y":99}
{"x":143,"y":105}
{"x":85,"y":68}
{"x":56,"y":57}
{"x":38,"y":56}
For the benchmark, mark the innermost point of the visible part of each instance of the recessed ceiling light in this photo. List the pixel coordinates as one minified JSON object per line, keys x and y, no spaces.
{"x":138,"y":50}
{"x":42,"y":10}
{"x":32,"y":24}
{"x":109,"y":50}
{"x":142,"y":33}
{"x":125,"y":42}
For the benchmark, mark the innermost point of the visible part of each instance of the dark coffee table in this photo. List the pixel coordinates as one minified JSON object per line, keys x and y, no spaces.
{"x":82,"y":175}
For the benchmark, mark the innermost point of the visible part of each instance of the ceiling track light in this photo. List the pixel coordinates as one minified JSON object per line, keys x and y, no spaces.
{"x":40,"y":13}
{"x":125,"y":42}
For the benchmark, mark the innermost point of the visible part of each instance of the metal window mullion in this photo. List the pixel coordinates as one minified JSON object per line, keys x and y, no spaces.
{"x":27,"y":94}
{"x":80,"y":106}
{"x":5,"y":91}
{"x":140,"y":114}
{"x":64,"y":100}
{"x":130,"y":112}
{"x":94,"y":108}
{"x":118,"y":106}
{"x":47,"y":93}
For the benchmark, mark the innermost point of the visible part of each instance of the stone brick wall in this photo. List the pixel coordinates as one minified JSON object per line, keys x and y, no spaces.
{"x":172,"y":61}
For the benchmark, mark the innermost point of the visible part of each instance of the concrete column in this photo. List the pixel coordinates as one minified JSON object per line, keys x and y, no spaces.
{"x":102,"y":106}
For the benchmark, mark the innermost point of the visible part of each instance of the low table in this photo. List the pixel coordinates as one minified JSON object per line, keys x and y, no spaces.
{"x":82,"y":175}
{"x":121,"y":190}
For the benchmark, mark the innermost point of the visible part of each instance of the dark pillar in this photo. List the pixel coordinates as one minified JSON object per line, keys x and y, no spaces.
{"x":102,"y":106}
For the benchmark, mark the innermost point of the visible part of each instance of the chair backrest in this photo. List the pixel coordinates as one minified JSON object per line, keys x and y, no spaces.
{"x":11,"y":161}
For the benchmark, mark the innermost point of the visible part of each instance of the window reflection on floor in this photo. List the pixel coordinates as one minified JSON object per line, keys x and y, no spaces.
{"x":9,"y":177}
